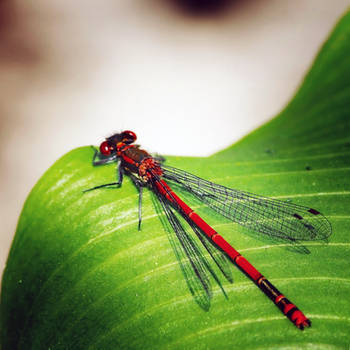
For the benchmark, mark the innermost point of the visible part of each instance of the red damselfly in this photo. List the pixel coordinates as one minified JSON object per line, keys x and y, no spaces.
{"x":274,"y":218}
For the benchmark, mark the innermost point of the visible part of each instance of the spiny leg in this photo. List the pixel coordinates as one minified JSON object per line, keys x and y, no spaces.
{"x":139,"y":185}
{"x":120,"y":175}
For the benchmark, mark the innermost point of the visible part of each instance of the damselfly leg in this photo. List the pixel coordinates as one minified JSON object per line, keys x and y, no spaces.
{"x":120,"y":174}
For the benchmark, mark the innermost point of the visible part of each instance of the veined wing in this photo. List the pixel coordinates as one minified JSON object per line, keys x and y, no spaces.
{"x":272,"y":217}
{"x":193,"y":263}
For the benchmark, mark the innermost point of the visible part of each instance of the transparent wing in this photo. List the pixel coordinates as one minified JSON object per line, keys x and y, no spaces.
{"x":194,"y":265}
{"x":269,"y":216}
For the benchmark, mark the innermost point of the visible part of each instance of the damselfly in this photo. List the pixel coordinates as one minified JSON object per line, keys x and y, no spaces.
{"x":275,"y":218}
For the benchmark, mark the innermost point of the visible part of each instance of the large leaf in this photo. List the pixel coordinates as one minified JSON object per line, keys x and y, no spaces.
{"x":81,"y":276}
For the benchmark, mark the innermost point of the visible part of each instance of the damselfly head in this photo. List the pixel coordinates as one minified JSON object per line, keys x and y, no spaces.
{"x":109,"y":146}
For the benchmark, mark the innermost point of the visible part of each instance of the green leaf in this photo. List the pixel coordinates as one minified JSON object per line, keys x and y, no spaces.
{"x":81,"y":276}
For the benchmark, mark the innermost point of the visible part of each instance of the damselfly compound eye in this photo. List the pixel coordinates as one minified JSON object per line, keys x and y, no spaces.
{"x":106,"y":148}
{"x":129,"y":136}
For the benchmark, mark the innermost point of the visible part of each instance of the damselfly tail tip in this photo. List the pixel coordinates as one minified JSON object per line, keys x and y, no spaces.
{"x":304,"y":325}
{"x":300,"y":320}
